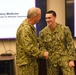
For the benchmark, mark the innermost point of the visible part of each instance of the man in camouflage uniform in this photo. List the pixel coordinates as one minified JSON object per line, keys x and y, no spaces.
{"x":27,"y":46}
{"x":58,"y":41}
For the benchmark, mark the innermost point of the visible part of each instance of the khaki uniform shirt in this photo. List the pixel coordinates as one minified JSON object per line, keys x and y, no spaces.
{"x":58,"y":43}
{"x":26,"y":45}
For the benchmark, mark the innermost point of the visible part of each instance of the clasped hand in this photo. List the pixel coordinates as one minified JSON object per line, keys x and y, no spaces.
{"x":46,"y":55}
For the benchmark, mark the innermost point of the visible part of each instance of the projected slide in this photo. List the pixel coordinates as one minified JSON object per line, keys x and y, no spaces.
{"x":12,"y":13}
{"x":75,"y":18}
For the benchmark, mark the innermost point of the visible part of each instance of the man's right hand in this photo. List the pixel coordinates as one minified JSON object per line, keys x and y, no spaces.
{"x":46,"y":55}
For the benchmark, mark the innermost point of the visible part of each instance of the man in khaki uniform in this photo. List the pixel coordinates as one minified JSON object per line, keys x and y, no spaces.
{"x":27,"y":45}
{"x":59,"y":43}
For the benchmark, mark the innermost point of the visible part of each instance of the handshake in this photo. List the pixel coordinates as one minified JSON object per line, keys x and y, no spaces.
{"x":46,"y":54}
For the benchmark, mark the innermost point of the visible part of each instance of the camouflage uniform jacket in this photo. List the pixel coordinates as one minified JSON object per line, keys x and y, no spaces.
{"x":26,"y":45}
{"x":58,"y":43}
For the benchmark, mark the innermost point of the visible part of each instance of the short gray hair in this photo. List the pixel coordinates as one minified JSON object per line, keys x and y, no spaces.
{"x":34,"y":11}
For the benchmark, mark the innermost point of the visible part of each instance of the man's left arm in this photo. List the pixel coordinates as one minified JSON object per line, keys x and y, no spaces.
{"x":70,"y":44}
{"x":70,"y":47}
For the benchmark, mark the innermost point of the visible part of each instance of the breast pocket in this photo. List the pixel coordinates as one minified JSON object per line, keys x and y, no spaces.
{"x":47,"y":41}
